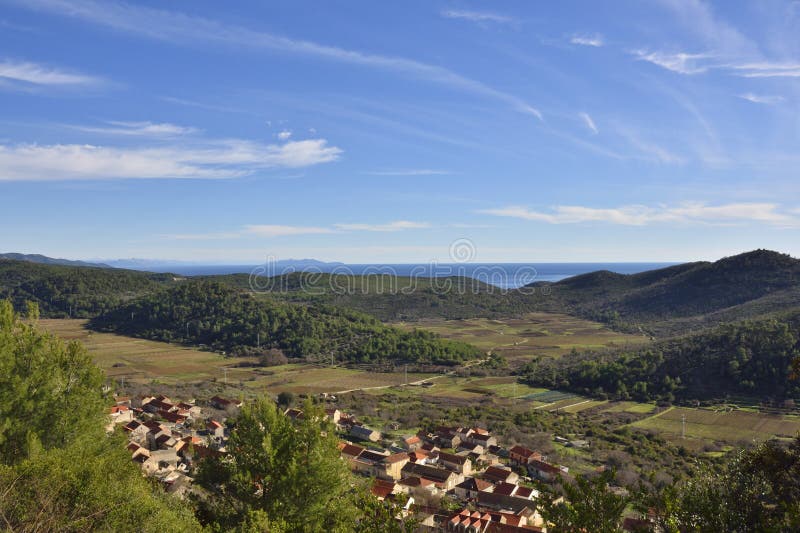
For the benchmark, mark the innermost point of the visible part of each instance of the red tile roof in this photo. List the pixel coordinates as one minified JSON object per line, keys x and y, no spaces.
{"x":495,"y":473}
{"x":506,"y":489}
{"x":524,"y":452}
{"x":352,"y":450}
{"x":381,"y":488}
{"x":396,"y":458}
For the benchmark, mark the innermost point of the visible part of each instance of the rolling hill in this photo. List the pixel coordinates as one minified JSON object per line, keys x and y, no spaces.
{"x":229,"y":319}
{"x":684,"y":297}
{"x":77,"y":291}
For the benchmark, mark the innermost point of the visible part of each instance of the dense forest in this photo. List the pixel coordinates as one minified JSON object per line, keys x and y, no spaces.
{"x":76,"y":291}
{"x":229,"y":319}
{"x":752,"y":358}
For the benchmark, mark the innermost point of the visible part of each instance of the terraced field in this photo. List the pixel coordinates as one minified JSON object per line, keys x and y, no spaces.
{"x":518,"y":339}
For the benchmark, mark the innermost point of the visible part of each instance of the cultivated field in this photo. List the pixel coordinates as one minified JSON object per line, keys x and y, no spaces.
{"x":704,"y":426}
{"x":145,"y":361}
{"x":518,"y":339}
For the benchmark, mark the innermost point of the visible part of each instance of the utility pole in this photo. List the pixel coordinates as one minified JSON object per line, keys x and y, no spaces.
{"x":258,"y":339}
{"x":406,"y":373}
{"x":683,"y":426}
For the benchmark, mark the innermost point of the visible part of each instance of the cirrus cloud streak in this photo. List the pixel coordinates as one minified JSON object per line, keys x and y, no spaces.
{"x":640,"y":215}
{"x":213,"y":160}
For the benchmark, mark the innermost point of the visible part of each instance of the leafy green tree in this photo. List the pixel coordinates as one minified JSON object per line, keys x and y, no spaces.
{"x":587,"y":505}
{"x":91,"y":485}
{"x":286,"y":398}
{"x":59,"y":471}
{"x":377,"y":516}
{"x":50,"y":392}
{"x":758,"y":490}
{"x":277,"y":468}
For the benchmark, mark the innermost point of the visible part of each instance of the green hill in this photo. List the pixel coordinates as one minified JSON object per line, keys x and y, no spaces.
{"x":229,"y":319}
{"x":63,"y":291}
{"x":680,"y":298}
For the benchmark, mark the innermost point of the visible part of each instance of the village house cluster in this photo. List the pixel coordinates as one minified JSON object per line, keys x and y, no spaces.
{"x":168,"y":437}
{"x":466,"y":467}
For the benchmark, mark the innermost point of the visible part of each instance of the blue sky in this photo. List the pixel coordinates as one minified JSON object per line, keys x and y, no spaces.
{"x":365,"y":131}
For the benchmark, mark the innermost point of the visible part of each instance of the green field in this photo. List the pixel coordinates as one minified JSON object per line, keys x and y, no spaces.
{"x":705,"y":426}
{"x":143,"y":361}
{"x":518,"y":339}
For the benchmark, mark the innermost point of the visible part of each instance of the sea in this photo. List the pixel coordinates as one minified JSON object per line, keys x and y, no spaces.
{"x":503,"y":275}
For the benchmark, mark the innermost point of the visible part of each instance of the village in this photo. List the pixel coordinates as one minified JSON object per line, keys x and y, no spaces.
{"x":454,"y":479}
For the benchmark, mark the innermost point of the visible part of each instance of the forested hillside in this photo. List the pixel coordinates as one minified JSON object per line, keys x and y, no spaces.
{"x":663,"y":302}
{"x":752,"y":358}
{"x":672,"y":301}
{"x":229,"y":319}
{"x":677,"y":299}
{"x":82,"y":292}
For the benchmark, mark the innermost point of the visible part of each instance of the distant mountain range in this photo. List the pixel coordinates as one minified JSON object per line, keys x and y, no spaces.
{"x":188,"y":268}
{"x":43,"y":259}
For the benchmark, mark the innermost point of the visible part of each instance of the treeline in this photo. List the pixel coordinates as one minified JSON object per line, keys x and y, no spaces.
{"x":69,"y":291}
{"x":752,"y":358}
{"x":234,"y":321}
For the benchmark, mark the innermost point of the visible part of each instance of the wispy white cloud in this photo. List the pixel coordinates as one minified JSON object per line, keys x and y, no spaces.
{"x":284,"y":135}
{"x":681,"y":62}
{"x":476,"y":16}
{"x":143,"y":129}
{"x":189,"y":30}
{"x":730,"y":50}
{"x":587,"y":119}
{"x":698,"y":63}
{"x":398,"y":225}
{"x":262,"y":230}
{"x":650,"y":150}
{"x":409,"y":172}
{"x":595,"y":40}
{"x":639,"y":215}
{"x":761,"y":98}
{"x":767,"y":69}
{"x":35,"y":74}
{"x":200,"y":236}
{"x":213,"y":160}
{"x":279,"y":230}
